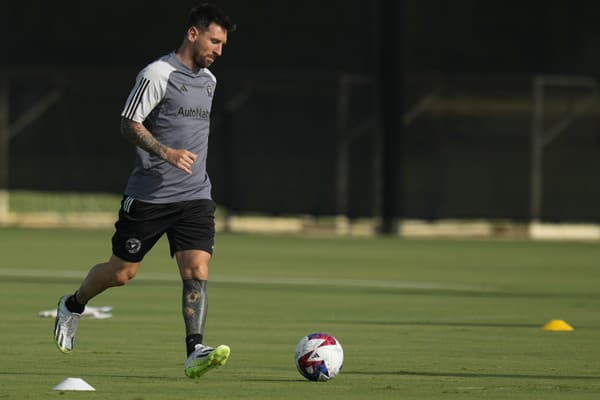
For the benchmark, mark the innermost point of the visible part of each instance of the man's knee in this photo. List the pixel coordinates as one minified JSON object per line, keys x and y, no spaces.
{"x":193,"y":264}
{"x":199,"y":272}
{"x":122,"y":271}
{"x":122,"y":277}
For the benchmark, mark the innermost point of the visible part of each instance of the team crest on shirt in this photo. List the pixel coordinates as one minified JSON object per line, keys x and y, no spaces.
{"x":209,"y":90}
{"x":133,"y":245}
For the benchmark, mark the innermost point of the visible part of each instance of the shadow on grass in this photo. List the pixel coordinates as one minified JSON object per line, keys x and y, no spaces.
{"x":472,"y":375}
{"x":370,"y":373}
{"x":273,"y":380}
{"x":143,"y":377}
{"x":62,"y":375}
{"x":304,"y":288}
{"x":449,"y":324}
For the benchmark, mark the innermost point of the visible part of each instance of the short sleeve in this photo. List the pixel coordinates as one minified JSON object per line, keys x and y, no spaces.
{"x":150,"y":87}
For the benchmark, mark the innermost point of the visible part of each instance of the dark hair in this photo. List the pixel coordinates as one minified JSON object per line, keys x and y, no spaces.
{"x":205,"y":14}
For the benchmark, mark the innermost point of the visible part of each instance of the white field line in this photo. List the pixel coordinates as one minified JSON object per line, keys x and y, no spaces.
{"x":267,"y":280}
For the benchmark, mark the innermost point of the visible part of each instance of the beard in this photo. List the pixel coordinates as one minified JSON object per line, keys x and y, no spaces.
{"x":203,"y":62}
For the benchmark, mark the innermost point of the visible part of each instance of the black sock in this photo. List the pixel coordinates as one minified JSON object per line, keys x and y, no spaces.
{"x":73,"y":305}
{"x":191,"y":341}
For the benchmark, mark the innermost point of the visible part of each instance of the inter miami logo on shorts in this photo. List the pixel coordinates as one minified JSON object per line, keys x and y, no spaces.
{"x":133,"y":245}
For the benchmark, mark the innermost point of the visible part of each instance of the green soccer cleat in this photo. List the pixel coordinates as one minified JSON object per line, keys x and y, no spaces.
{"x":205,"y":358}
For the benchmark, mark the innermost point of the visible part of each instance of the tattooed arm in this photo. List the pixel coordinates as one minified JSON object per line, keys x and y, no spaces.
{"x":137,"y":134}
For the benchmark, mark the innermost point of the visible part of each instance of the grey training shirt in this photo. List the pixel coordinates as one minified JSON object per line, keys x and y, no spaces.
{"x":173,"y":102}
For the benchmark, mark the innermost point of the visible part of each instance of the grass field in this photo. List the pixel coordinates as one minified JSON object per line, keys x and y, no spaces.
{"x":418,"y":319}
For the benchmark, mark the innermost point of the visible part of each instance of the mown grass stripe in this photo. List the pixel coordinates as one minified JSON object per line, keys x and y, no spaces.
{"x":270,"y":280}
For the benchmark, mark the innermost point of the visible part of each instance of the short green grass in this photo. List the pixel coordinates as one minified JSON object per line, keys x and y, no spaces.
{"x":36,"y":201}
{"x":418,"y":319}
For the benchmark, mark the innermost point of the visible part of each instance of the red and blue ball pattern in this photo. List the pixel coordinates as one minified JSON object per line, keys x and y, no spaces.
{"x":319,"y":356}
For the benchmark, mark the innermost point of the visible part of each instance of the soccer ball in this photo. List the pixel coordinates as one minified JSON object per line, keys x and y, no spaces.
{"x":319,"y":357}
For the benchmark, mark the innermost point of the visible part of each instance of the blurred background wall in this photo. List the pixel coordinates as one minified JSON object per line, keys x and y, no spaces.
{"x":297,"y":106}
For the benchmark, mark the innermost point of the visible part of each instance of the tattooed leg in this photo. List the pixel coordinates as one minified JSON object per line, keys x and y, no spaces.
{"x":194,"y":306}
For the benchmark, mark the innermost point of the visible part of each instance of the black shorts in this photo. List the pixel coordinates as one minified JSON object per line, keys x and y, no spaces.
{"x":190,"y":225}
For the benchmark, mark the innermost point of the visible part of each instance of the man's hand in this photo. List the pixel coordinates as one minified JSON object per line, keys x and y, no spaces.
{"x":180,"y":158}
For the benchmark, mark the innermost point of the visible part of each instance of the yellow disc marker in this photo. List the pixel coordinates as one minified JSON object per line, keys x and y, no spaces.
{"x":557,"y":325}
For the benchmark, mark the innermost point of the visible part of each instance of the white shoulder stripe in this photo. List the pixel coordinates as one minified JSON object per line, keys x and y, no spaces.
{"x":214,"y":78}
{"x":158,"y":70}
{"x":150,"y":87}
